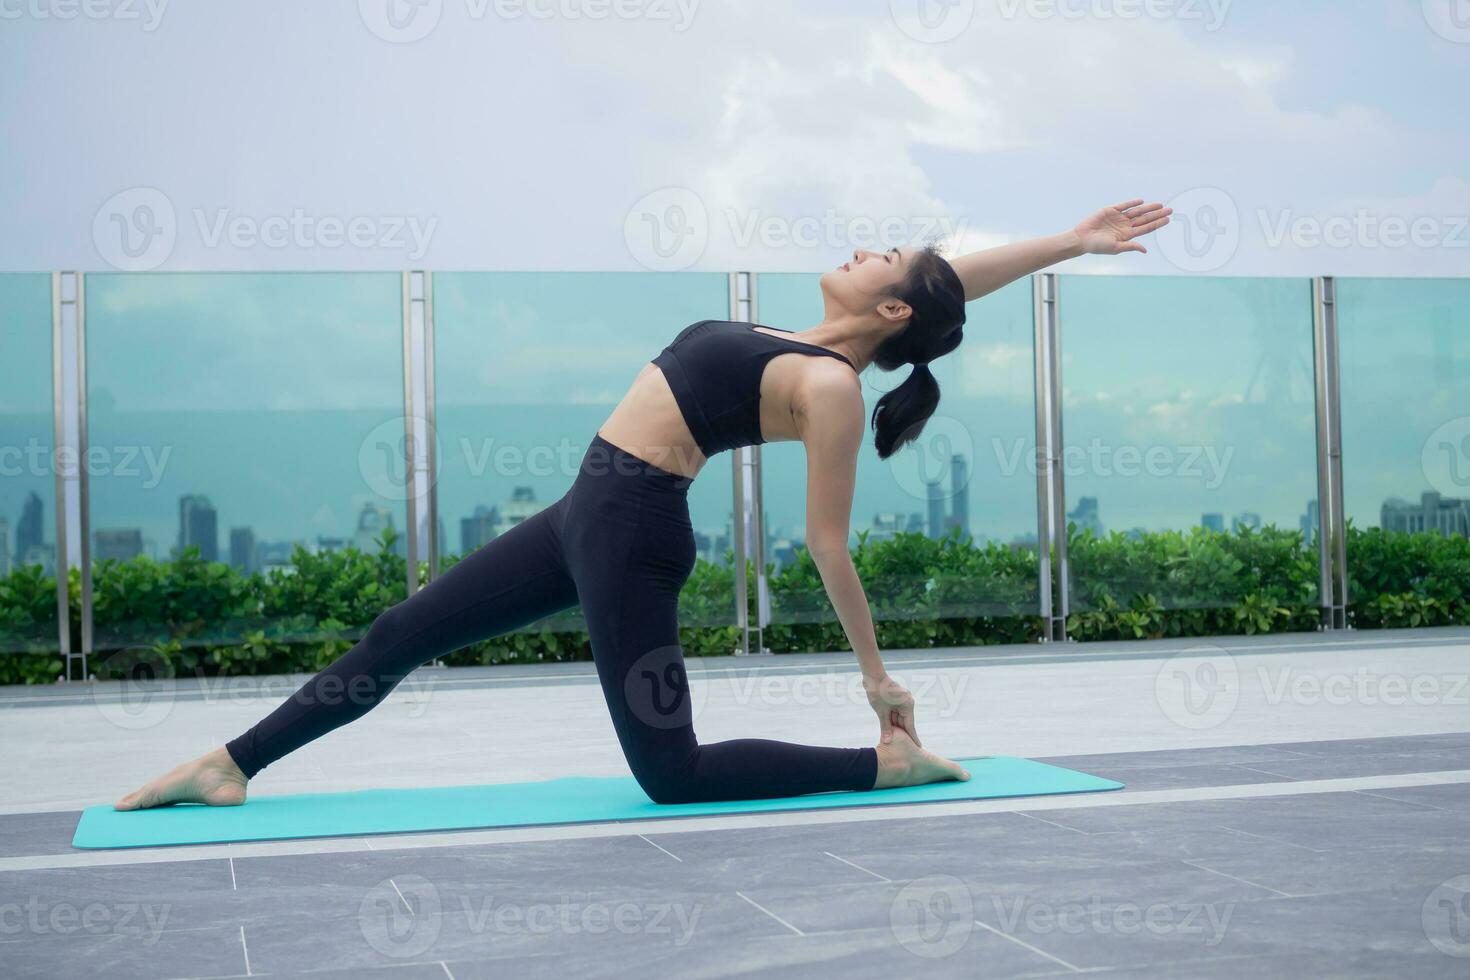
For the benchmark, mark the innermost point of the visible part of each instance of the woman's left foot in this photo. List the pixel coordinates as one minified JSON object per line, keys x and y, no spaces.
{"x":212,"y":779}
{"x":903,"y":762}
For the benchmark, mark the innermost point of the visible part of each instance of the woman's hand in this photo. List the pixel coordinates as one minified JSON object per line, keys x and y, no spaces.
{"x":894,"y":706}
{"x":1112,"y":229}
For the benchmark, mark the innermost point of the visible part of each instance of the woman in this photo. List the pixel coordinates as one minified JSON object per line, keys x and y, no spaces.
{"x":620,"y":543}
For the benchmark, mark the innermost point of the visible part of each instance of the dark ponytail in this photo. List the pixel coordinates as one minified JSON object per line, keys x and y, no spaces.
{"x":937,"y":298}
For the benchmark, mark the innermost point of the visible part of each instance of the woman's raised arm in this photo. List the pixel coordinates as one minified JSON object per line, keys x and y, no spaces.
{"x":1108,"y":231}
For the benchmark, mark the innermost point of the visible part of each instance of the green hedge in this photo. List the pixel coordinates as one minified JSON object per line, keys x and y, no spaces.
{"x":188,"y":616}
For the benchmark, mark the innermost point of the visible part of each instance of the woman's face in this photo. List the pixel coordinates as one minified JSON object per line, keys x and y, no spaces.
{"x":865,"y":281}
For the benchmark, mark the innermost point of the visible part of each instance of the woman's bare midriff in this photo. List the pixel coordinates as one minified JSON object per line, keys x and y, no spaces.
{"x":648,"y":423}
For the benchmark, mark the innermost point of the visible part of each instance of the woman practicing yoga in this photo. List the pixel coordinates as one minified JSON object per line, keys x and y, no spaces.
{"x":620,"y":544}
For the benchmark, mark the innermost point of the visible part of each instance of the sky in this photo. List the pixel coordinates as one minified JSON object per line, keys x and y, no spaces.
{"x":1320,"y":136}
{"x":676,"y":136}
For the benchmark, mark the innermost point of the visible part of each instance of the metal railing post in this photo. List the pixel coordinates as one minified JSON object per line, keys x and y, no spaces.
{"x":58,"y":440}
{"x":1051,"y":512}
{"x":1332,"y":579}
{"x":84,"y":482}
{"x":431,"y":444}
{"x":409,"y":455}
{"x":748,"y":531}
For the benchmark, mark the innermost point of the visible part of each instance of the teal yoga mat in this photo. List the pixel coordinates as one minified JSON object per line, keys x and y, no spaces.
{"x":575,"y":799}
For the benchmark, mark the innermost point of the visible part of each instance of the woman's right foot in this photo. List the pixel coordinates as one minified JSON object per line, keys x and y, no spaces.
{"x":902,"y":762}
{"x":212,"y":779}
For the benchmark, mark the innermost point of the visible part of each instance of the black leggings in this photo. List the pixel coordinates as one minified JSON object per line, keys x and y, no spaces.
{"x":619,"y":542}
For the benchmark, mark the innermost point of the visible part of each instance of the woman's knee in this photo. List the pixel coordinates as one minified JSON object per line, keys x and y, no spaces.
{"x":664,"y":783}
{"x":390,"y":625}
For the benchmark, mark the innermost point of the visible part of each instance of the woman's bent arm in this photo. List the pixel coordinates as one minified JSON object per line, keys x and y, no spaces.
{"x":830,"y":419}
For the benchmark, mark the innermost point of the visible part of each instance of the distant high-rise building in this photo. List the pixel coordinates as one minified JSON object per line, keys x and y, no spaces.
{"x":5,"y":560}
{"x":936,"y":508}
{"x":959,"y":482}
{"x":1447,"y":516}
{"x":478,"y":529}
{"x":1086,"y":516}
{"x":198,"y":525}
{"x":372,"y":521}
{"x":1213,"y":522}
{"x":123,"y":543}
{"x":275,"y":555}
{"x":242,"y":549}
{"x":1245,"y":519}
{"x":885,"y":526}
{"x":29,"y":529}
{"x":1309,"y":522}
{"x":43,"y":555}
{"x":522,"y":505}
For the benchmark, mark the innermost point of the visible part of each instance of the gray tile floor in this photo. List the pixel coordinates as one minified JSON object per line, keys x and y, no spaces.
{"x":1346,"y":855}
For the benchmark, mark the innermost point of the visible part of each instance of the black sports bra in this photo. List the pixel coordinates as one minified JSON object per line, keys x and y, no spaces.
{"x":714,"y":368}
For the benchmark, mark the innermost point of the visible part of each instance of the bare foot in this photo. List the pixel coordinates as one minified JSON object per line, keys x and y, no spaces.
{"x":903,"y":763}
{"x":213,"y":778}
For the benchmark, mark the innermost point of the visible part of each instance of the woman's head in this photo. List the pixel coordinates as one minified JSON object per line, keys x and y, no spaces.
{"x":916,"y":301}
